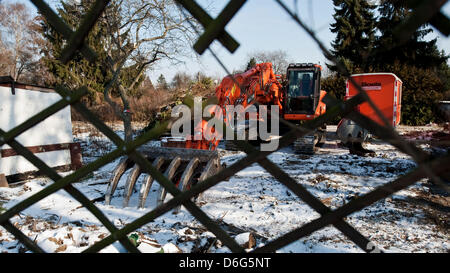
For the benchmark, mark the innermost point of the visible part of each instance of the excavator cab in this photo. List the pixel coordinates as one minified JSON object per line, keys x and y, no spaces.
{"x":304,"y":102}
{"x":302,"y":89}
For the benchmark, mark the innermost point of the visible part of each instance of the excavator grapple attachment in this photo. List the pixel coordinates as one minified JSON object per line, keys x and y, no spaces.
{"x":184,"y":167}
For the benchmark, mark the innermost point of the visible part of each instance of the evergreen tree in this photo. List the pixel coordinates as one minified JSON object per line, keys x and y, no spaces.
{"x":418,"y":62}
{"x":79,"y":71}
{"x":415,"y":51}
{"x":354,"y":27}
{"x":162,"y":83}
{"x":251,"y":63}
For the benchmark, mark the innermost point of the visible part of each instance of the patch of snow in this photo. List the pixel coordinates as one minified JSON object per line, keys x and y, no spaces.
{"x":252,"y":200}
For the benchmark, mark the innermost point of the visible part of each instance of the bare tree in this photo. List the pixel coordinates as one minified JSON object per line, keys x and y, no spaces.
{"x":142,"y":32}
{"x":278,"y":58}
{"x":19,"y":41}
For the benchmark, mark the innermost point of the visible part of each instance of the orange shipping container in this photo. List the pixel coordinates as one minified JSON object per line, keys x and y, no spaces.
{"x":385,"y":90}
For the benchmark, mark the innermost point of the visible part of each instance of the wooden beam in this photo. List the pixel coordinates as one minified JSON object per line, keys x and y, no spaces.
{"x":37,"y":149}
{"x":3,"y":181}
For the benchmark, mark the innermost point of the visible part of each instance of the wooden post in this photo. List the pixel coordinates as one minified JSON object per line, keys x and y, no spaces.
{"x":3,"y":181}
{"x":75,"y":156}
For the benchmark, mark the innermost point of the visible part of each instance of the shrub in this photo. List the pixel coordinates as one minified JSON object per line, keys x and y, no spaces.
{"x":422,"y":90}
{"x":144,"y":108}
{"x":335,"y":86}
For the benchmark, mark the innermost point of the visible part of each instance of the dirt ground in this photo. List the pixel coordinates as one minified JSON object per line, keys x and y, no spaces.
{"x":413,"y":220}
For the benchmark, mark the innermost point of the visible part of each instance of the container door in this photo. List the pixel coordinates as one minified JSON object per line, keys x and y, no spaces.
{"x":394,"y":117}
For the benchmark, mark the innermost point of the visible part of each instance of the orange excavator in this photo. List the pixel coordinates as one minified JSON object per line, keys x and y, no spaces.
{"x":298,"y":98}
{"x":190,"y":160}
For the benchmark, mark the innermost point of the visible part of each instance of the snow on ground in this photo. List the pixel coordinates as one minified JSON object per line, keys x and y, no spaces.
{"x":251,"y":201}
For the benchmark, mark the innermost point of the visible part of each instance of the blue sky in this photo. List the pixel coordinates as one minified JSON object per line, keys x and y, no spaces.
{"x":262,"y":25}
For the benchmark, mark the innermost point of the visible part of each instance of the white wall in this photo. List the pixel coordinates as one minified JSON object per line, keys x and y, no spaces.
{"x":57,"y":129}
{"x":18,"y":164}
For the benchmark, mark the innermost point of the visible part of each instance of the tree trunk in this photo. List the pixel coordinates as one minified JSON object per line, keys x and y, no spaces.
{"x":127,"y":127}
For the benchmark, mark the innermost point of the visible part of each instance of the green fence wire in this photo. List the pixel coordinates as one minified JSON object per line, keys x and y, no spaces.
{"x":214,"y":29}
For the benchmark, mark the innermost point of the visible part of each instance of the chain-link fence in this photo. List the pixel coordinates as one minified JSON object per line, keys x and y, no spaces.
{"x":214,"y":29}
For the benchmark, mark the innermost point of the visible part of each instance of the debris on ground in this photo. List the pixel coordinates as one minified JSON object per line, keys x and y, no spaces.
{"x":251,"y":206}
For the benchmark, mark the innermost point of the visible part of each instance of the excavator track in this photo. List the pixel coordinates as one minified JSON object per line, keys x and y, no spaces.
{"x":309,"y":144}
{"x":305,"y":145}
{"x":230,"y":146}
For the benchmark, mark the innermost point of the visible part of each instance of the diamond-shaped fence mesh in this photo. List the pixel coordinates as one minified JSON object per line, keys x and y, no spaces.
{"x":214,"y":29}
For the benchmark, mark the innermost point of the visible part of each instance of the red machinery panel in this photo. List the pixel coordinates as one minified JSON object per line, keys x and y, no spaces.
{"x":385,"y":90}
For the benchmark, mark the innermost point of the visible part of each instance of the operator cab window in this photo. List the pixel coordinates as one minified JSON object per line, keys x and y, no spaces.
{"x":301,"y":83}
{"x":301,"y":92}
